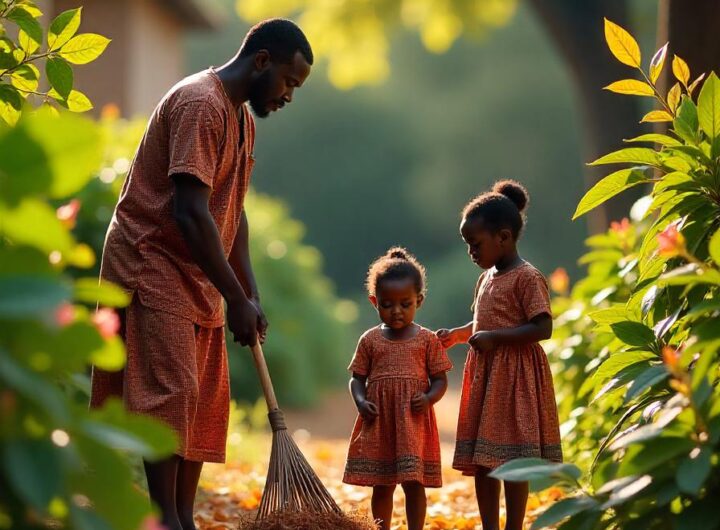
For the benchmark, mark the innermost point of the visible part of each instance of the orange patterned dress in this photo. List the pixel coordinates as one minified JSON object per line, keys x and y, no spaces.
{"x":507,"y":407}
{"x":399,"y":445}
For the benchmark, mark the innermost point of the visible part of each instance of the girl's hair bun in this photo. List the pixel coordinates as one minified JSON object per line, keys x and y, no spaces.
{"x":396,"y":263}
{"x":398,"y":253}
{"x":514,"y":191}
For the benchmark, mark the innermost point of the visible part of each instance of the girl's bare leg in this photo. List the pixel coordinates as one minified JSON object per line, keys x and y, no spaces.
{"x":382,"y":505}
{"x":415,"y":505}
{"x":488,"y":496}
{"x":516,"y":496}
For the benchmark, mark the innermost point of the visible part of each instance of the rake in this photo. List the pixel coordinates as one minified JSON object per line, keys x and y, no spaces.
{"x":292,"y":489}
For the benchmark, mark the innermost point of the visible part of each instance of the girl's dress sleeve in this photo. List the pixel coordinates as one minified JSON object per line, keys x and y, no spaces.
{"x":437,"y":358}
{"x":534,"y":295}
{"x":362,"y":358}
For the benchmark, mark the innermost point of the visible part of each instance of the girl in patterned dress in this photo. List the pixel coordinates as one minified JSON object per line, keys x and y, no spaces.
{"x":507,"y":407}
{"x":398,"y":374}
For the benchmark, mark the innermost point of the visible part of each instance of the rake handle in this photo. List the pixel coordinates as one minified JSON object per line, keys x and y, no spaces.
{"x":262,"y":369}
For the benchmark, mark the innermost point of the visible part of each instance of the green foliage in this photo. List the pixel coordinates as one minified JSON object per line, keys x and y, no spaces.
{"x":354,"y":36}
{"x":55,"y":454}
{"x":19,"y":75}
{"x":636,"y":345}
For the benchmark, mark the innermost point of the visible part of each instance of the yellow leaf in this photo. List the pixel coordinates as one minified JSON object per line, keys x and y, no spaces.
{"x":657,"y":63}
{"x":681,"y":70}
{"x":657,"y":116}
{"x":673,"y":98}
{"x":694,"y":84}
{"x":632,"y":87}
{"x":622,"y":45}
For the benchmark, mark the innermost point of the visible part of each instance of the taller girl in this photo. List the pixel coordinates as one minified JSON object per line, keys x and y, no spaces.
{"x":507,"y":408}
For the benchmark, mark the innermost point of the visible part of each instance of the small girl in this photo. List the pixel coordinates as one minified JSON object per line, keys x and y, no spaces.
{"x":398,"y":374}
{"x":507,"y":407}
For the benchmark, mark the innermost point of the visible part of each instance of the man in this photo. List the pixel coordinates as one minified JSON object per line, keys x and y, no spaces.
{"x":178,"y":241}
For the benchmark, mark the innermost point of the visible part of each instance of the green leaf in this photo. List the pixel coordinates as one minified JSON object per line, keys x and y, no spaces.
{"x":84,"y":48}
{"x":34,"y":223}
{"x":686,"y":122}
{"x":661,"y":139}
{"x":536,"y":470}
{"x":32,"y":34}
{"x":610,"y":315}
{"x":609,"y":187}
{"x":71,"y":153}
{"x":24,"y":296}
{"x":63,"y":28}
{"x":645,"y":457}
{"x":25,"y":78}
{"x":10,"y":104}
{"x":75,"y":102}
{"x":141,"y":435}
{"x":690,"y":274}
{"x":7,"y":60}
{"x":709,"y":106}
{"x":60,"y":76}
{"x":106,"y":294}
{"x":619,"y":367}
{"x":714,"y":247}
{"x":33,"y":470}
{"x":645,"y":380}
{"x":634,"y":333}
{"x":694,"y":470}
{"x":626,"y":492}
{"x":110,"y":356}
{"x":630,"y":155}
{"x":562,"y":509}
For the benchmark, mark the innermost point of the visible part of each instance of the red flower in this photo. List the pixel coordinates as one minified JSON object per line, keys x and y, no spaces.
{"x":670,"y":356}
{"x":107,"y":322}
{"x":671,"y":242}
{"x":560,"y":281}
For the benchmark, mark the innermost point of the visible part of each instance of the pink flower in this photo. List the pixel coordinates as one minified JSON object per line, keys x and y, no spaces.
{"x":67,"y":213}
{"x":107,"y":322}
{"x":620,"y":228}
{"x":152,"y":523}
{"x":65,"y":314}
{"x":671,"y":242}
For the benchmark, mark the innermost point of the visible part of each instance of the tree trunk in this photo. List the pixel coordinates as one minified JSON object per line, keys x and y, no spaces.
{"x":691,"y":27}
{"x":577,"y":29}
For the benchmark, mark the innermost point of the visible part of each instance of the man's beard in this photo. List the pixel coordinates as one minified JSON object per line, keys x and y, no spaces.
{"x":258,"y":95}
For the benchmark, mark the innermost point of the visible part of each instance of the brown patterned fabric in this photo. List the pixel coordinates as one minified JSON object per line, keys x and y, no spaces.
{"x":177,"y":362}
{"x":399,"y":445}
{"x":507,"y":407}
{"x":194,"y":129}
{"x":176,"y":372}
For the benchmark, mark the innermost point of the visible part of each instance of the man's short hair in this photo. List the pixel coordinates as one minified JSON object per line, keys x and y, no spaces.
{"x":280,"y":37}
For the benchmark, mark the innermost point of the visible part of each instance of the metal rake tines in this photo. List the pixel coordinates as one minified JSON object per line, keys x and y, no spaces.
{"x":291,"y":484}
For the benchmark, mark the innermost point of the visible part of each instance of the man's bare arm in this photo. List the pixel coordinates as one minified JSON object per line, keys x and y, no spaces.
{"x":191,"y":212}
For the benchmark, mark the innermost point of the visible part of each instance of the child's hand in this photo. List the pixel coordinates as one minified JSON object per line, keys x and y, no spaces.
{"x":482,"y":341}
{"x":447,"y":337}
{"x":420,"y":402}
{"x":368,"y":410}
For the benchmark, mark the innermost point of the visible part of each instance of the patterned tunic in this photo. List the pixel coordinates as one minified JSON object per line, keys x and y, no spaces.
{"x":173,"y":330}
{"x":399,"y":445}
{"x":507,"y":407}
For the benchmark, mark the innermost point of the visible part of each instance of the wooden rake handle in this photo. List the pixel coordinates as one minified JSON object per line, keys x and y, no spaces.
{"x":265,"y":381}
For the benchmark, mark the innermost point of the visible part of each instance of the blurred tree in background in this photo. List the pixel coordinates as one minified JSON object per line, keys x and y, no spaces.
{"x":394,"y":163}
